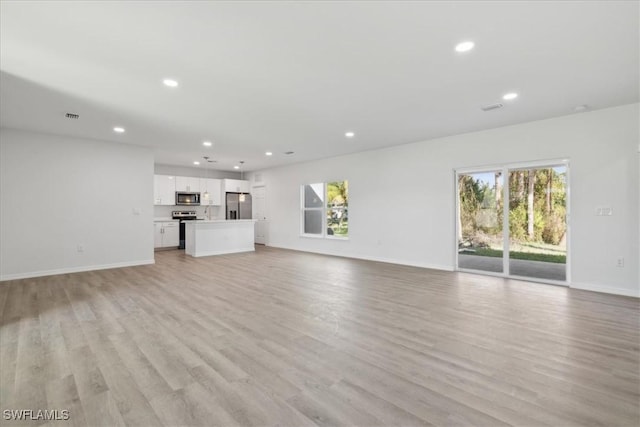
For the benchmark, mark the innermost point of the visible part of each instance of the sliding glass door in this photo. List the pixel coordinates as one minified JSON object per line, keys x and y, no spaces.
{"x":537,"y":222}
{"x":512,"y":221}
{"x":480,"y":223}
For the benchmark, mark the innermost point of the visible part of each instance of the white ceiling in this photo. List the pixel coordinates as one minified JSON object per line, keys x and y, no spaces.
{"x":280,"y":76}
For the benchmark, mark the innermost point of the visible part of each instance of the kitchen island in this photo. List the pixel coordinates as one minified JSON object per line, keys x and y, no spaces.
{"x":217,"y":237}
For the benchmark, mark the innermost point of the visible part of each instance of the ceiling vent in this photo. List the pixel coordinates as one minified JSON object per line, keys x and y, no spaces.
{"x":288,"y":153}
{"x":72,"y":116}
{"x":491,"y":107}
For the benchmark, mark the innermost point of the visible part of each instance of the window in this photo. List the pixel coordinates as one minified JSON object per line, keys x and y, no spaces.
{"x":324,"y":210}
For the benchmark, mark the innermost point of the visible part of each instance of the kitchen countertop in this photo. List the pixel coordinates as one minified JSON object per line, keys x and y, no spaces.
{"x":218,"y":221}
{"x":164,"y":219}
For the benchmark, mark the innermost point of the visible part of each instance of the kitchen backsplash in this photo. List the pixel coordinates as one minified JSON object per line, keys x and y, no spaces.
{"x":165,"y":211}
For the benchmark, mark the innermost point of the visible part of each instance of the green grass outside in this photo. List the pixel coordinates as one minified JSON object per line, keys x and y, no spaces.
{"x":558,"y":259}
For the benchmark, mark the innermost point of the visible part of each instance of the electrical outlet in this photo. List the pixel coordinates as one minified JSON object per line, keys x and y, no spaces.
{"x":80,"y":248}
{"x":604,"y":211}
{"x":136,"y":211}
{"x":620,"y":262}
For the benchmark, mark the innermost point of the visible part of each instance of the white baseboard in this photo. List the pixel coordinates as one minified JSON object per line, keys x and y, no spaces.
{"x":582,"y":286}
{"x":403,"y":262}
{"x":606,"y":289}
{"x":42,"y":273}
{"x":372,"y":258}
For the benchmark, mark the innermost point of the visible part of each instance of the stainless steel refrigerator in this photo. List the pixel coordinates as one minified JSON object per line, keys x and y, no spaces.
{"x":238,"y":206}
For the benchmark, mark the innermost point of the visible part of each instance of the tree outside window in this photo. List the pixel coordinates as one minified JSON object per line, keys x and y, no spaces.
{"x":335,"y":210}
{"x":338,"y":208}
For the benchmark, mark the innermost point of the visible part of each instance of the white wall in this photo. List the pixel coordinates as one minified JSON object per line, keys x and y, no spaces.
{"x":200,"y":172}
{"x":401,"y":199}
{"x":60,"y":192}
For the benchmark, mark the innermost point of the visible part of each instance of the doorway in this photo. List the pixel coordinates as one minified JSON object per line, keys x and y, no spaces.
{"x":512,"y":221}
{"x":260,"y":214}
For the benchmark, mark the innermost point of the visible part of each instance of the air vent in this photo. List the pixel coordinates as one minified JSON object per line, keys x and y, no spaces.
{"x":72,"y":116}
{"x":288,"y":153}
{"x":491,"y":107}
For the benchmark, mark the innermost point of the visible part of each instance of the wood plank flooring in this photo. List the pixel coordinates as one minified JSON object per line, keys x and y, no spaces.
{"x":283,"y":338}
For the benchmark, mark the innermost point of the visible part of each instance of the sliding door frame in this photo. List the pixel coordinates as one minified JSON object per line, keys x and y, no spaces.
{"x":505,"y":168}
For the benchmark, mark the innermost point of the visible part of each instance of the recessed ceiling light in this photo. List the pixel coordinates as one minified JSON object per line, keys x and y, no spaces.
{"x":196,"y":163}
{"x":207,"y":143}
{"x":268,"y":153}
{"x":118,"y":129}
{"x":170,"y":82}
{"x":465,"y":46}
{"x":349,"y":134}
{"x":236,"y":167}
{"x":509,"y":96}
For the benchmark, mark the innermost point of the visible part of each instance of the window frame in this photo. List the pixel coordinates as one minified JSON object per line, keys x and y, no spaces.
{"x":324,"y":209}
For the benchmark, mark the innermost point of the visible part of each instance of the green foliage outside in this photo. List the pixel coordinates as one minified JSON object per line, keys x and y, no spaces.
{"x":338,"y":208}
{"x":482,"y":207}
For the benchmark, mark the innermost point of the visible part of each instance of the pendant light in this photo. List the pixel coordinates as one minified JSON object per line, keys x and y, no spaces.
{"x":242,"y":196}
{"x":205,"y":195}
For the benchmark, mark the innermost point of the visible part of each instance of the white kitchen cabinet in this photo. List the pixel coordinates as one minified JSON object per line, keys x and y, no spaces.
{"x":166,"y":234}
{"x":214,"y":188}
{"x":164,"y":190}
{"x":157,"y":234}
{"x":236,"y":186}
{"x":188,"y":184}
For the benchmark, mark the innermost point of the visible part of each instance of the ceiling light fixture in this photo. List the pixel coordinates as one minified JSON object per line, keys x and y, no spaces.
{"x":118,"y":129}
{"x":509,"y":96}
{"x":465,"y":46}
{"x":349,"y":134}
{"x":207,"y":143}
{"x":236,"y":167}
{"x":241,"y":177}
{"x":268,"y":153}
{"x":205,"y":195}
{"x":170,"y":82}
{"x":196,"y":163}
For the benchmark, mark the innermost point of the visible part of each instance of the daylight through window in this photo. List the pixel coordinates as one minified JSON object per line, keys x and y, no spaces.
{"x":325,"y":209}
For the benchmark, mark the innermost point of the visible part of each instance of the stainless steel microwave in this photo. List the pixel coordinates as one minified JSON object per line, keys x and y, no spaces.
{"x":187,"y":199}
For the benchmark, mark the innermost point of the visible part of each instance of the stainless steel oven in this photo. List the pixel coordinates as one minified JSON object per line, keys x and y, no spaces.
{"x":183,"y":216}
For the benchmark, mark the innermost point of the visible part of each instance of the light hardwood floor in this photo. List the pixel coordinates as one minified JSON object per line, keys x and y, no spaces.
{"x":285,"y":338}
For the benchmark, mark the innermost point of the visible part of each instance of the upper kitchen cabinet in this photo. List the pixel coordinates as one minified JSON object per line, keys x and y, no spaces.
{"x":188,"y":184}
{"x":236,"y":186}
{"x":214,"y":188}
{"x":164,"y":190}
